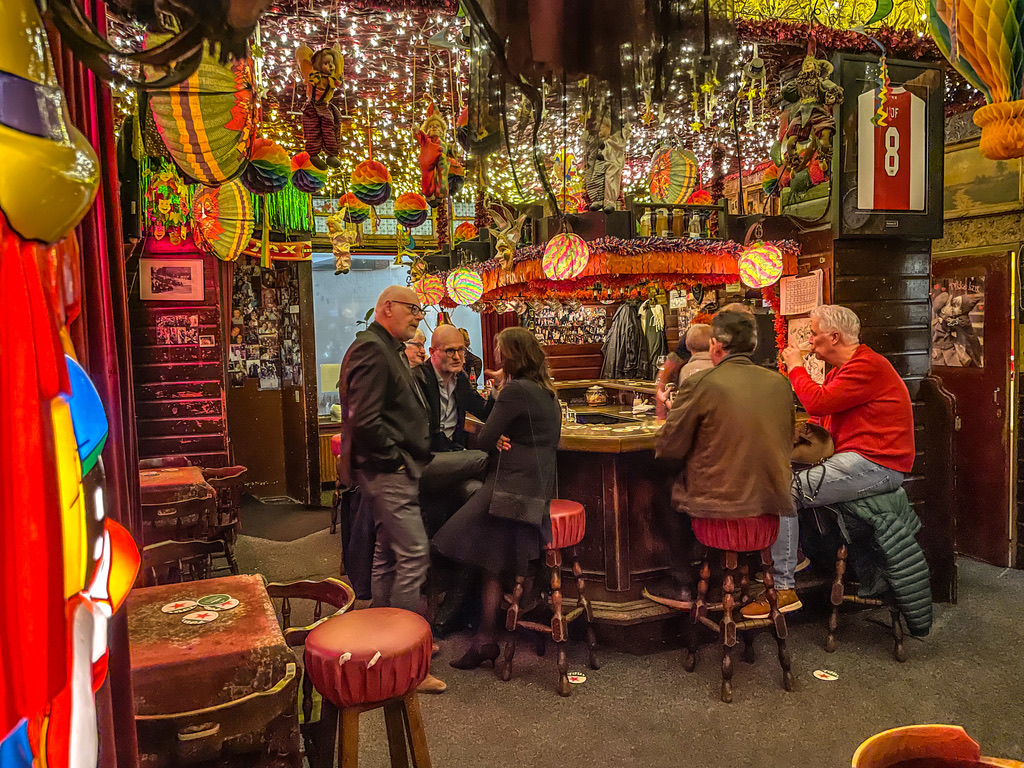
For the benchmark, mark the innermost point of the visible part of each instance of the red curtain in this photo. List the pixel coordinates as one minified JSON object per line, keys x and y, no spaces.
{"x":491,"y":325}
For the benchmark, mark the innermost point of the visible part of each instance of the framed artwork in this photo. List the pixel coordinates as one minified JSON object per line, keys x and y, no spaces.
{"x":171,"y":280}
{"x":976,"y":186}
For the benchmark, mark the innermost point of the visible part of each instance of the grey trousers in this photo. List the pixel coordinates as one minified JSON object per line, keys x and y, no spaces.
{"x":402,"y":553}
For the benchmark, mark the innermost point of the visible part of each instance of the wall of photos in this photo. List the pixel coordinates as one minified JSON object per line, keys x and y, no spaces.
{"x":264,"y":337}
{"x":564,"y":324}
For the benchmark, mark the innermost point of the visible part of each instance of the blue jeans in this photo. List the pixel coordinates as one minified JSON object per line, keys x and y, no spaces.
{"x":843,"y":477}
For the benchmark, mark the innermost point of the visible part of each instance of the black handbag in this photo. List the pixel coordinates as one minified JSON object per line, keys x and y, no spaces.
{"x":518,"y":507}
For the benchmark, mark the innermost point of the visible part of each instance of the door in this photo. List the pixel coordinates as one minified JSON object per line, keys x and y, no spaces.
{"x":971,"y":353}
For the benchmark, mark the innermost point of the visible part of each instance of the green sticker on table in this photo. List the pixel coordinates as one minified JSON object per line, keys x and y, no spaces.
{"x":214,"y":599}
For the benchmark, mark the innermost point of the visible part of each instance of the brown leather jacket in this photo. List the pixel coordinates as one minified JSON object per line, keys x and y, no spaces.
{"x":731,"y":426}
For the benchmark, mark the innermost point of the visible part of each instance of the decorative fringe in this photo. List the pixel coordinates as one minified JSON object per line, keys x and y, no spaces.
{"x":772,"y":299}
{"x":289,"y":210}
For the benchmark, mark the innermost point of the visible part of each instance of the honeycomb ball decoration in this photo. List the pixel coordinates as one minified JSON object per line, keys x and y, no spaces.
{"x":269,"y":169}
{"x":760,"y":265}
{"x":411,"y":210}
{"x":430,"y":289}
{"x":358,"y":211}
{"x":306,"y":177}
{"x":700,"y":197}
{"x":565,"y":257}
{"x":465,"y":231}
{"x":465,"y":286}
{"x":371,"y":182}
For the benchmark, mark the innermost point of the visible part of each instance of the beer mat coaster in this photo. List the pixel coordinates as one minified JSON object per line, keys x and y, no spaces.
{"x":199,"y":617}
{"x":179,"y":606}
{"x":577,"y":677}
{"x":826,"y":674}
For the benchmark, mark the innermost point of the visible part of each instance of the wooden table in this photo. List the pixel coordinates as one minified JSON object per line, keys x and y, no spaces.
{"x":167,"y":485}
{"x":206,"y":691}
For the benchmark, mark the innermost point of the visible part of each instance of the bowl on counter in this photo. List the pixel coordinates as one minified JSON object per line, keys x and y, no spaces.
{"x":597,"y":396}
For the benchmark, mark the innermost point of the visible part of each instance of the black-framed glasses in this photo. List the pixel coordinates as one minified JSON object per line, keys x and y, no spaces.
{"x":454,"y":352}
{"x":416,"y":309}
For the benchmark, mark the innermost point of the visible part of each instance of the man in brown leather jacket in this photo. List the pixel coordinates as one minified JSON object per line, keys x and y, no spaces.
{"x":731,"y":432}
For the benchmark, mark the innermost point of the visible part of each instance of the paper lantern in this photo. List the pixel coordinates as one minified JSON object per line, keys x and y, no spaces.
{"x":223,"y":220}
{"x":983,"y":40}
{"x":465,"y":231}
{"x":760,"y":265}
{"x":700,"y":197}
{"x":411,"y":209}
{"x":565,"y":257}
{"x":371,"y":182}
{"x":269,"y":168}
{"x":465,"y":286}
{"x":358,"y":211}
{"x":770,"y":180}
{"x":430,"y":289}
{"x":306,"y":177}
{"x":673,"y":176}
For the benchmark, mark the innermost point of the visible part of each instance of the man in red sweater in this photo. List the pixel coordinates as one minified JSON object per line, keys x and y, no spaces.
{"x":865,"y":406}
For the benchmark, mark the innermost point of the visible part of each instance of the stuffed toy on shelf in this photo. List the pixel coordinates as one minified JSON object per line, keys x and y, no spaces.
{"x":321,"y":117}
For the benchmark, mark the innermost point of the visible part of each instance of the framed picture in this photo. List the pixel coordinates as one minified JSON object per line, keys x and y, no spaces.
{"x":171,"y":280}
{"x":206,"y":341}
{"x":976,"y":186}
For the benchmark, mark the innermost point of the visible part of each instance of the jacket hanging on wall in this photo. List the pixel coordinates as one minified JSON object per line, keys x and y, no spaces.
{"x":652,"y":321}
{"x":625,"y":349}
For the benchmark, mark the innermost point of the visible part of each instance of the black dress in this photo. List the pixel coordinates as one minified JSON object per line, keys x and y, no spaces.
{"x":529,"y":415}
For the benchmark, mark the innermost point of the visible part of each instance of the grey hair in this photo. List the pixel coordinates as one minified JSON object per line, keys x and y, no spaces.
{"x":844,"y":321}
{"x":698,"y":337}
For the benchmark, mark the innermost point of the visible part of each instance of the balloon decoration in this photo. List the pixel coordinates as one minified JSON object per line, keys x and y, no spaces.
{"x":269,"y":168}
{"x":565,"y":257}
{"x":371,"y":182}
{"x":673,"y":175}
{"x":306,"y":177}
{"x":208,"y":121}
{"x":465,"y":231}
{"x":983,"y":40}
{"x":465,"y":286}
{"x":411,"y":209}
{"x":760,"y":265}
{"x":356,"y":211}
{"x":223,"y":220}
{"x":430,"y":289}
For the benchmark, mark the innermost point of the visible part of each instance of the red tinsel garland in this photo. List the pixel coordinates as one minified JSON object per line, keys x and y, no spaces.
{"x":600,"y":287}
{"x":771,"y":298}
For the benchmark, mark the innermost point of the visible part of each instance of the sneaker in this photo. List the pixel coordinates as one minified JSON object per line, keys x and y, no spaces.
{"x":789,"y":601}
{"x":670,"y":594}
{"x":431,"y":684}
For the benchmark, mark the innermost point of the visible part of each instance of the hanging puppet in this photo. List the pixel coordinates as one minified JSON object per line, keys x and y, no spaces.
{"x":343,"y":237}
{"x":321,"y":117}
{"x":435,"y":157}
{"x":605,"y":153}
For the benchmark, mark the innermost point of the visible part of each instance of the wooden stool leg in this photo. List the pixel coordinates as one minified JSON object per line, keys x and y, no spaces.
{"x":582,"y":601}
{"x":778,"y":619}
{"x":558,"y":626}
{"x":395,"y":722}
{"x":836,"y":599}
{"x":414,"y":728}
{"x":512,"y":617}
{"x":696,"y":612}
{"x":348,"y":739}
{"x":898,"y":651}
{"x":728,"y":624}
{"x":748,"y":637}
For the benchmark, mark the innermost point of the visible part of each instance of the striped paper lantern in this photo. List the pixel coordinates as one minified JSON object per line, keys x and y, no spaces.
{"x":465,"y":286}
{"x":760,"y":265}
{"x":430,"y":289}
{"x":565,"y":257}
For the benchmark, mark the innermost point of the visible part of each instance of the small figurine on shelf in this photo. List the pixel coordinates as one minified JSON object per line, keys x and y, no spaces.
{"x":343,"y":236}
{"x":321,"y":117}
{"x":605,"y":161}
{"x":434,"y":157}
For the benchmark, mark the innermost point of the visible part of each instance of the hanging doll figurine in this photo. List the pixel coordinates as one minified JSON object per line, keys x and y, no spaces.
{"x":321,"y":117}
{"x":433,"y":157}
{"x":343,"y":236}
{"x":606,"y":159}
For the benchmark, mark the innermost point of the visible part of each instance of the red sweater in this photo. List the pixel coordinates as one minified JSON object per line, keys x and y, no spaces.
{"x":865,"y":406}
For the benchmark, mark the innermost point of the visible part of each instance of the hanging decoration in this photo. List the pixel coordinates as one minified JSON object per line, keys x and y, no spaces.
{"x":760,"y":264}
{"x":465,"y":231}
{"x":323,"y":74}
{"x":464,"y":286}
{"x":306,"y":177}
{"x":456,"y":176}
{"x":343,"y":237}
{"x":411,"y":210}
{"x":506,"y":235}
{"x":565,"y":257}
{"x":288,"y":209}
{"x":356,"y":211}
{"x":984,"y":41}
{"x":167,"y":205}
{"x":604,"y":159}
{"x":567,"y":181}
{"x":269,"y":169}
{"x":772,"y":299}
{"x":700,"y":197}
{"x":371,"y":183}
{"x":223,"y":220}
{"x":436,"y":157}
{"x":674,"y":174}
{"x":754,"y":87}
{"x":430,"y":289}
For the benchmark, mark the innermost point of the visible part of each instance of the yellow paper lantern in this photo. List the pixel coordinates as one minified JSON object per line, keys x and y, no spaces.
{"x":760,"y":265}
{"x":465,"y":286}
{"x":430,"y":289}
{"x":565,"y":257}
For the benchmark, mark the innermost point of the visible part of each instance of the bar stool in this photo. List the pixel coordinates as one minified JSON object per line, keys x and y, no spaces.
{"x":839,"y":596}
{"x":372,"y":659}
{"x":751,"y":534}
{"x":568,"y":524}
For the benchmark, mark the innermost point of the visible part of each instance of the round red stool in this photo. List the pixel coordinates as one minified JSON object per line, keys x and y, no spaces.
{"x":370,"y":659}
{"x":749,"y":534}
{"x":568,"y":524}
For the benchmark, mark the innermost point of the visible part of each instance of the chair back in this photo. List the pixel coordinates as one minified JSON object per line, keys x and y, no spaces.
{"x":227,"y":482}
{"x":332,"y":592}
{"x":165,"y":461}
{"x":174,"y":562}
{"x":186,"y":519}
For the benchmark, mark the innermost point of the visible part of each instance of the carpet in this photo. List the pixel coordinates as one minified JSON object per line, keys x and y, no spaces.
{"x":282,"y":521}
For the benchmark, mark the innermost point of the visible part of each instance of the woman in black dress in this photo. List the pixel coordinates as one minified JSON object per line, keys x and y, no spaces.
{"x":520,"y":482}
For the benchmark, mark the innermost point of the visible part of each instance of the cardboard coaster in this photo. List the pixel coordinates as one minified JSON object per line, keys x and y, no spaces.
{"x":199,"y":617}
{"x":227,"y":605}
{"x":576,"y":678}
{"x":826,"y":674}
{"x":179,"y":606}
{"x":209,"y":600}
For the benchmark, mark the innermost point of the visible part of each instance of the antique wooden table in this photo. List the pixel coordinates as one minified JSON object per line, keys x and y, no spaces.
{"x":166,"y":485}
{"x":216,"y":690}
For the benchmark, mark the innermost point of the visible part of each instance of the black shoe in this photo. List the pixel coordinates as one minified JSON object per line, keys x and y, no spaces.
{"x":671,"y":594}
{"x":474,"y":657}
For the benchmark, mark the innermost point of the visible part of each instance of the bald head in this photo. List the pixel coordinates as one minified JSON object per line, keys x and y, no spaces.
{"x":447,"y":350}
{"x":398,"y":310}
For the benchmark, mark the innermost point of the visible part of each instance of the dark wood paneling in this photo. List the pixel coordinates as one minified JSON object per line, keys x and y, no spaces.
{"x":574,"y":361}
{"x":185,"y":353}
{"x":180,"y":408}
{"x":209,"y":425}
{"x":892,"y":287}
{"x":148,"y":373}
{"x":177,"y":390}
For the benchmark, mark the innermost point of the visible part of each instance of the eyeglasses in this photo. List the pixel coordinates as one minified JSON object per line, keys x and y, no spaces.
{"x":416,"y":309}
{"x":414,"y":344}
{"x":454,"y":352}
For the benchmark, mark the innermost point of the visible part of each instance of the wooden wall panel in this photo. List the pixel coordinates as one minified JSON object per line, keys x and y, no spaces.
{"x":569,"y":362}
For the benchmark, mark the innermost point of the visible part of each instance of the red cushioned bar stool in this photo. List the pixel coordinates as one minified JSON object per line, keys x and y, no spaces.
{"x":751,"y":534}
{"x":568,"y":524}
{"x":367,"y":660}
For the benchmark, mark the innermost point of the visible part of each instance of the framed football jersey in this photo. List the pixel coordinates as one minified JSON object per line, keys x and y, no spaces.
{"x":889,"y":149}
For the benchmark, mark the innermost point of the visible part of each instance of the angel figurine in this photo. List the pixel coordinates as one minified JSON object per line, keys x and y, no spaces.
{"x":434,"y":157}
{"x":506,"y":236}
{"x":321,"y":117}
{"x":343,"y":236}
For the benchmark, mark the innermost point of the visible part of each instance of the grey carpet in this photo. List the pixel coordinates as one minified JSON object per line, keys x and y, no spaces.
{"x":282,"y":522}
{"x":644,"y":710}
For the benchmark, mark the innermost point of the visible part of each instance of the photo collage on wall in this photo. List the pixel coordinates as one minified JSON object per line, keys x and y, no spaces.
{"x":568,"y":325}
{"x":177,"y":329}
{"x":264,"y":336}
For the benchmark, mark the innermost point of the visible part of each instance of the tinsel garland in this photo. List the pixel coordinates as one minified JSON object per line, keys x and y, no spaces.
{"x":288,"y":209}
{"x":906,"y":42}
{"x":481,"y":218}
{"x":601,"y":287}
{"x":771,"y":298}
{"x":446,"y":7}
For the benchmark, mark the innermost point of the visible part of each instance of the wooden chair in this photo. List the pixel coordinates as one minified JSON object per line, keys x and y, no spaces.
{"x":174,"y":562}
{"x":840,"y":596}
{"x":178,"y":520}
{"x":165,"y":461}
{"x":227,"y":482}
{"x":318,"y":737}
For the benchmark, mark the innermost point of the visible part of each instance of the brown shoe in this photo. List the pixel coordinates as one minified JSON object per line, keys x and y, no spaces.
{"x":789,"y":601}
{"x":431,"y":684}
{"x":434,"y":650}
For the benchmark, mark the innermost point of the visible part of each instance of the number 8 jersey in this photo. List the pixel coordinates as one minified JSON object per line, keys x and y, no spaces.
{"x":891,"y":170}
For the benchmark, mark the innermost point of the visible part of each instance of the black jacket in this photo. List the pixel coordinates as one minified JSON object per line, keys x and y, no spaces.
{"x":625,"y":348}
{"x":466,"y":399}
{"x":384,"y":420}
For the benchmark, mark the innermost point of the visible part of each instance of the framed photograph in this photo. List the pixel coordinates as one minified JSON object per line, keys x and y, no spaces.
{"x":206,"y":341}
{"x":171,"y":280}
{"x":977,"y":186}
